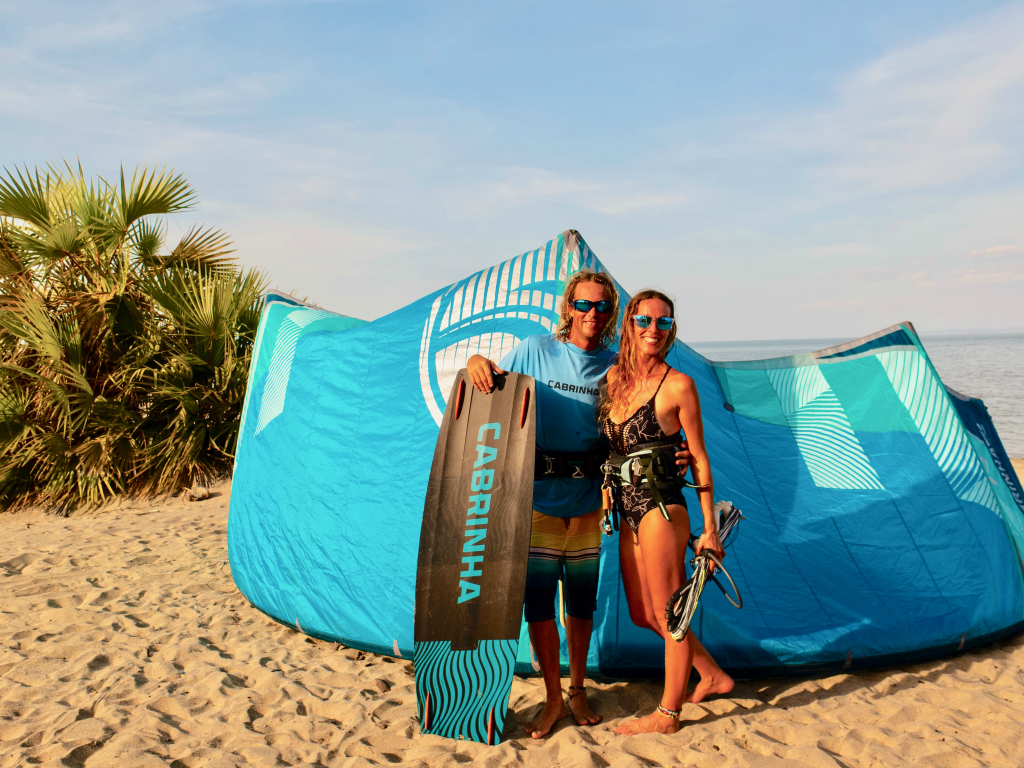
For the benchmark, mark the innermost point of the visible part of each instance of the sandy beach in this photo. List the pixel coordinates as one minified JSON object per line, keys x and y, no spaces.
{"x":125,"y":642}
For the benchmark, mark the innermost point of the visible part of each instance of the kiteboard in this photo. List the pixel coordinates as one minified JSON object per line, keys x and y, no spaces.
{"x":474,"y":548}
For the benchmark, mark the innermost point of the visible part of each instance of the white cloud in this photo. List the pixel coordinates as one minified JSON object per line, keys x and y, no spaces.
{"x":426,"y":188}
{"x":348,"y":267}
{"x":77,"y":25}
{"x":528,"y":186}
{"x":997,"y":252}
{"x":992,"y":278}
{"x":929,"y":114}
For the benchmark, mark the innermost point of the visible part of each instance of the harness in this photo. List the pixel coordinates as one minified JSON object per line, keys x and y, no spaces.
{"x":649,"y":465}
{"x":551,"y":464}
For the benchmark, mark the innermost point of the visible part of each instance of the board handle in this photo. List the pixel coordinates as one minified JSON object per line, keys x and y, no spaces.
{"x":525,"y":409}
{"x":459,"y":398}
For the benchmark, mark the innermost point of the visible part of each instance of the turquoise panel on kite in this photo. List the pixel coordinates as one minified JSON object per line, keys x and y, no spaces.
{"x":884,"y":522}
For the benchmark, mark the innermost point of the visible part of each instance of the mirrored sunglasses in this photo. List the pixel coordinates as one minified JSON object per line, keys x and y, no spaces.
{"x":582,"y":305}
{"x":644,"y":321}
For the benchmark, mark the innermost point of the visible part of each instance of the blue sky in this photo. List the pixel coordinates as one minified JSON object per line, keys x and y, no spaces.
{"x":785,"y":170}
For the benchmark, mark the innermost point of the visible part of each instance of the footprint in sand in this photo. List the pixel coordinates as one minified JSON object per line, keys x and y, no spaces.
{"x":16,"y":565}
{"x":64,"y":602}
{"x":208,"y":644}
{"x":143,"y":559}
{"x":98,"y":662}
{"x":384,"y":708}
{"x":106,"y":596}
{"x":253,"y":714}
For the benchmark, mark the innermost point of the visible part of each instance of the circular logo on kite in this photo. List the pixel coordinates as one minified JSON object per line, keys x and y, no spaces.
{"x":487,"y":314}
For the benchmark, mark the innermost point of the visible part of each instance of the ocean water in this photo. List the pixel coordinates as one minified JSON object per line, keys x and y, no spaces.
{"x":989,"y":367}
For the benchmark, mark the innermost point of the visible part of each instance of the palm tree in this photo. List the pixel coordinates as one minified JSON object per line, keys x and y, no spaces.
{"x":122,"y":367}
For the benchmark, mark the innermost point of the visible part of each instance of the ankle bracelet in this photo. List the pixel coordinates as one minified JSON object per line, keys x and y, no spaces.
{"x":671,"y":713}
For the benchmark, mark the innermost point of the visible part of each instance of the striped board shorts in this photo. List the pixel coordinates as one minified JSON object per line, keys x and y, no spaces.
{"x":566,"y":548}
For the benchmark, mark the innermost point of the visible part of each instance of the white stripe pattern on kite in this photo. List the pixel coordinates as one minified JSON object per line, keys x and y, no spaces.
{"x":428,"y":396}
{"x":920,"y":390}
{"x":272,"y":403}
{"x":485,"y":296}
{"x":827,"y":443}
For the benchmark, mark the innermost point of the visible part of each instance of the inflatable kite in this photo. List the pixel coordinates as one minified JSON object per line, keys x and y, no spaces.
{"x":884,"y":522}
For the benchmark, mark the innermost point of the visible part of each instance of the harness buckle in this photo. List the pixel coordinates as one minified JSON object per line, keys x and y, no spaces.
{"x":550,"y":469}
{"x":579,"y":471}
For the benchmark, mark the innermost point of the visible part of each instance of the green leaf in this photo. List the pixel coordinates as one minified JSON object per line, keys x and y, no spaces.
{"x":147,"y":238}
{"x":25,"y":197}
{"x":121,"y":370}
{"x":151,"y":191}
{"x":202,"y":247}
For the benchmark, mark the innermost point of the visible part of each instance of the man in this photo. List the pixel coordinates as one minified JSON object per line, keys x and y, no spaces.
{"x":566,"y":537}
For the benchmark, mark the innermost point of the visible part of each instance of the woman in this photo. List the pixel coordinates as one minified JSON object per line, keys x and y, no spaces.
{"x":646,"y":400}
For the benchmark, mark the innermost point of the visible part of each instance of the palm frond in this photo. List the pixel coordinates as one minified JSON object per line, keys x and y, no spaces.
{"x":25,"y":196}
{"x":10,"y":263}
{"x":121,"y":371}
{"x":152,"y":191}
{"x":147,"y":238}
{"x":15,"y":403}
{"x":27,"y":318}
{"x":202,"y":247}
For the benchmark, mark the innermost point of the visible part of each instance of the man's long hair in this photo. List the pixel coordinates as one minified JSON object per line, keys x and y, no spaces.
{"x":565,"y":319}
{"x":618,"y":391}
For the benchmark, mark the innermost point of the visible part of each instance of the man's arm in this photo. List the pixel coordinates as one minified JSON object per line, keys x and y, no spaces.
{"x":481,"y":372}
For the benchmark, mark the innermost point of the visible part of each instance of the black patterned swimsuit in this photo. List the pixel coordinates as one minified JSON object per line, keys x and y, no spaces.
{"x":641,"y":427}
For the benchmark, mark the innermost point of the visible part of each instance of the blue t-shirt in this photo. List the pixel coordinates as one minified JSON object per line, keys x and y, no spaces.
{"x":567,"y":392}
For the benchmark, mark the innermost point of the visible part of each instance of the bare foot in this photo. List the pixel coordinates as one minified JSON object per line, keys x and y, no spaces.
{"x":719,"y":682}
{"x":652,"y":723}
{"x":553,"y":712}
{"x":579,"y":708}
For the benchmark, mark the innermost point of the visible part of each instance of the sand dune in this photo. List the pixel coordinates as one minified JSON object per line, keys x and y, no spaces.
{"x":124,"y":641}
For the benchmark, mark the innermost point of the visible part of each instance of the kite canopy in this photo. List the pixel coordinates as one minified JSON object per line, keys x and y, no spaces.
{"x":884,"y":522}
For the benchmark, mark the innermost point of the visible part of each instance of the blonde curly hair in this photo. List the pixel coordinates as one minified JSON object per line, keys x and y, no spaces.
{"x":565,"y":319}
{"x":628,"y":380}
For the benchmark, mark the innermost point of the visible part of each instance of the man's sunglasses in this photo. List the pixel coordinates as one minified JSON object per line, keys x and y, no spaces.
{"x":644,"y":321}
{"x":582,"y":305}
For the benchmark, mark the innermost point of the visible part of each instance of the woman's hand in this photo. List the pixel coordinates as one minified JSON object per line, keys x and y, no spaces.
{"x":709,"y":540}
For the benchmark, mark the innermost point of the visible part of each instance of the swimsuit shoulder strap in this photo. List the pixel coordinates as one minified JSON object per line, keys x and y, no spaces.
{"x":667,"y":369}
{"x":650,"y":400}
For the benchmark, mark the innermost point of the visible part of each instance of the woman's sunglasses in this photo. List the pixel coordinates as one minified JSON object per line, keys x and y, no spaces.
{"x":644,"y":321}
{"x":582,"y":305}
